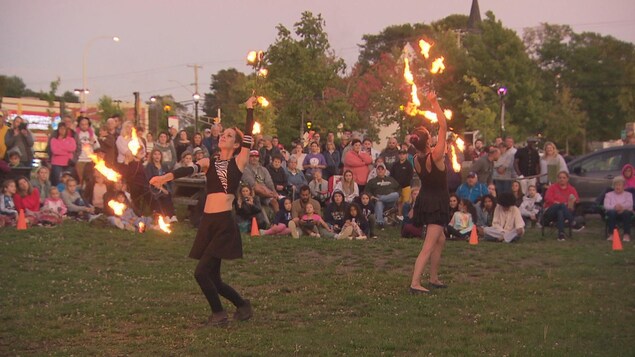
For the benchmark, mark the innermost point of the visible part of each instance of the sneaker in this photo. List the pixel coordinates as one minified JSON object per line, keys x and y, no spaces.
{"x":244,"y":312}
{"x":262,"y":232}
{"x":294,"y":233}
{"x":373,"y":237}
{"x":218,"y":319}
{"x":92,"y":217}
{"x":626,"y":238}
{"x":561,"y":237}
{"x":609,"y":238}
{"x":400,"y":218}
{"x":579,"y":229}
{"x":380,"y":226}
{"x":173,"y":219}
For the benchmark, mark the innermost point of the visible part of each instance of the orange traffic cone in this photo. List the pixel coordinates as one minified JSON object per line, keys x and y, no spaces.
{"x":21,"y":220}
{"x":617,"y":243}
{"x":254,"y":227}
{"x":474,"y":236}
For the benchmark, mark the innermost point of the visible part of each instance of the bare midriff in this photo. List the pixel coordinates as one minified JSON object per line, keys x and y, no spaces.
{"x":218,"y":202}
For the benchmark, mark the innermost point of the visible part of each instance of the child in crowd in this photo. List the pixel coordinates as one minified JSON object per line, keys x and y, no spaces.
{"x":8,"y":211}
{"x":129,"y":220}
{"x":517,"y":191}
{"x":76,"y":205}
{"x":530,"y":208}
{"x":61,"y":186}
{"x":368,"y":210}
{"x":14,"y":159}
{"x":54,"y":209}
{"x":461,"y":223}
{"x":96,"y":188}
{"x":280,"y":226}
{"x":310,"y":222}
{"x":356,"y":226}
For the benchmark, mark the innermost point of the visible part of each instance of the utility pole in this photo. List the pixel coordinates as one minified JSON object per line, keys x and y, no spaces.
{"x":196,"y":96}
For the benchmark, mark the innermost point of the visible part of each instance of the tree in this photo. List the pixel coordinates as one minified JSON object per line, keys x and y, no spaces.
{"x":566,"y":122}
{"x":107,"y":108}
{"x":228,"y":91}
{"x":480,"y":110}
{"x":301,"y":68}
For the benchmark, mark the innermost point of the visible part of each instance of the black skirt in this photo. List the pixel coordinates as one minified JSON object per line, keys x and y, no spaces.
{"x":218,"y":236}
{"x":431,"y":210}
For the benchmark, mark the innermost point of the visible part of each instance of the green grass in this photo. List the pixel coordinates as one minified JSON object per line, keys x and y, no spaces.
{"x":79,"y":290}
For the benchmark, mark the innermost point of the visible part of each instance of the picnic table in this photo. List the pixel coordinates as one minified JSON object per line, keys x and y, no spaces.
{"x":188,"y":190}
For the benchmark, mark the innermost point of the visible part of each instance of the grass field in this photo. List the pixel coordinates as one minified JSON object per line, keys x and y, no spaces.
{"x":80,"y":290}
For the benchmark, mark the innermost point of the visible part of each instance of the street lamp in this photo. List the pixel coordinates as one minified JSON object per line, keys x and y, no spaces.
{"x":502,"y":92}
{"x":196,"y":98}
{"x":84,"y":90}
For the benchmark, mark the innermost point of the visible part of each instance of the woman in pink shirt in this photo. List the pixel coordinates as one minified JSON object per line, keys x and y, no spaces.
{"x":560,"y":201}
{"x":62,"y":150}
{"x":357,"y":161}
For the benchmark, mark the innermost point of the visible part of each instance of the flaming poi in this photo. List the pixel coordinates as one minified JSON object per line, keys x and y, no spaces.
{"x":117,"y":207}
{"x":437,"y":66}
{"x":164,"y":225}
{"x":134,"y":145}
{"x":425,"y":48}
{"x":256,"y":129}
{"x":100,"y":165}
{"x":263,"y":101}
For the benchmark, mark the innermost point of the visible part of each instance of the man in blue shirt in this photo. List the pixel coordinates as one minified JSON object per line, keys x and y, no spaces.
{"x":472,"y":189}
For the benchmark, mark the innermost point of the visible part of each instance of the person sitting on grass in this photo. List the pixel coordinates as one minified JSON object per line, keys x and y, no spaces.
{"x":28,"y":199}
{"x":530,"y":207}
{"x":310,"y":222}
{"x":368,"y":210}
{"x":61,"y":186}
{"x":129,"y":219}
{"x":42,"y":183}
{"x":298,"y":209}
{"x":508,"y":225}
{"x":462,"y":222}
{"x":77,"y":206}
{"x":335,"y":212}
{"x":280,"y":226}
{"x":518,"y":193}
{"x":356,"y":225}
{"x":246,"y":209}
{"x":408,"y":229}
{"x":53,"y":211}
{"x":485,"y":212}
{"x":95,"y":190}
{"x":8,"y":211}
{"x":619,"y":207}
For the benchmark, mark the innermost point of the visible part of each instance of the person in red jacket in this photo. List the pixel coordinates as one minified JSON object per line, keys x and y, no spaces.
{"x":27,"y":198}
{"x":560,"y":201}
{"x":357,"y":161}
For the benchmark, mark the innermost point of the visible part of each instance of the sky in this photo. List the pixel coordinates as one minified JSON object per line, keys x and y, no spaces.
{"x":45,"y":39}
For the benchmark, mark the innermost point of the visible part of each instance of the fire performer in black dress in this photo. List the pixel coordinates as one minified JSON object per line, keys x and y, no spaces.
{"x":218,"y":236}
{"x":432,"y":207}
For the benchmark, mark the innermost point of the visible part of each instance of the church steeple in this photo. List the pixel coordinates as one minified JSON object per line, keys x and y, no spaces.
{"x":474,"y":22}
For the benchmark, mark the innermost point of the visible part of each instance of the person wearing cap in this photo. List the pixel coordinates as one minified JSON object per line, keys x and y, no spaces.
{"x":258,"y":178}
{"x":472,"y":189}
{"x":384,"y":190}
{"x":403,"y":172}
{"x":3,"y":132}
{"x":197,"y":154}
{"x":268,"y":151}
{"x":527,"y":163}
{"x":484,"y":166}
{"x":197,"y":143}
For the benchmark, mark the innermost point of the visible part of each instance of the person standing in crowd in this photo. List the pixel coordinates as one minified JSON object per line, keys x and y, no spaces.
{"x":122,"y":142}
{"x":4,"y":129}
{"x":391,"y":153}
{"x":84,"y":137}
{"x":181,"y":143}
{"x":503,"y":169}
{"x":619,"y":207}
{"x":108,"y":141}
{"x":628,"y":172}
{"x":20,"y":139}
{"x":168,"y":153}
{"x":527,"y":163}
{"x":402,"y":171}
{"x":268,"y":151}
{"x":160,"y":198}
{"x":197,"y":142}
{"x":149,"y":143}
{"x":433,"y":203}
{"x":62,"y":149}
{"x":333,"y":160}
{"x":484,"y":166}
{"x":211,"y":142}
{"x":218,"y":235}
{"x":367,"y":146}
{"x":357,"y":162}
{"x":550,"y":164}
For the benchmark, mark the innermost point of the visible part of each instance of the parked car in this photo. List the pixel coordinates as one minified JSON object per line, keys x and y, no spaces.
{"x":593,"y":173}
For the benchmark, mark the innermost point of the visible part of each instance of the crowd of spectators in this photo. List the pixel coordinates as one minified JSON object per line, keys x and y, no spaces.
{"x":343,"y":188}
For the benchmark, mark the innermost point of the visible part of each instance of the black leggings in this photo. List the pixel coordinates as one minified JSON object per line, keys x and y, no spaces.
{"x":207,"y":275}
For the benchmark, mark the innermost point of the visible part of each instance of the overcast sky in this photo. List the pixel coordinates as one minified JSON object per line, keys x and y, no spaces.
{"x":43,"y":39}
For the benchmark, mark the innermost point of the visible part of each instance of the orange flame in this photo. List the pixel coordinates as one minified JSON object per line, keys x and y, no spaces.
{"x":431,"y":116}
{"x":263,"y":72}
{"x":142,"y":227}
{"x":425,"y":48}
{"x":406,"y":72}
{"x":134,"y":145}
{"x":263,"y":101}
{"x":100,"y":165}
{"x":414,"y":96}
{"x":448,"y":114}
{"x":437,"y":66}
{"x":252,"y":56}
{"x":256,"y":129}
{"x":460,"y":144}
{"x":117,"y":207}
{"x":455,"y":162}
{"x":164,"y":225}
